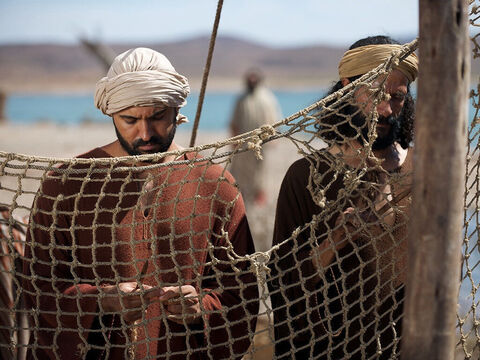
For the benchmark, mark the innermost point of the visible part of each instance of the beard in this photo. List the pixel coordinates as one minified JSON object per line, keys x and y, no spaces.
{"x":163,"y":143}
{"x":384,"y":139}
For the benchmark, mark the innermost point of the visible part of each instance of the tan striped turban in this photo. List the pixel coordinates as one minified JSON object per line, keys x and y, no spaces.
{"x":361,"y":60}
{"x":141,"y":77}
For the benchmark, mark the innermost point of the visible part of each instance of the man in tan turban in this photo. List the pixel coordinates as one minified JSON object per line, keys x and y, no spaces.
{"x":337,"y":285}
{"x":133,"y":259}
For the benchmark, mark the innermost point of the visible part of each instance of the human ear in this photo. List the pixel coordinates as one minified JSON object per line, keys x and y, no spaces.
{"x":344,"y":81}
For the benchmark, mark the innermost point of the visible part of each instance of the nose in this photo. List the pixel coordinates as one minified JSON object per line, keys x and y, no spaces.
{"x":145,"y":130}
{"x":384,"y":109}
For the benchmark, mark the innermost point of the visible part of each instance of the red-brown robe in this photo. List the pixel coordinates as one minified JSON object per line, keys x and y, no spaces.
{"x":79,"y":240}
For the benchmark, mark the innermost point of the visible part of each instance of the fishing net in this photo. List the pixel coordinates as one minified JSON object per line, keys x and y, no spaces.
{"x":76,"y":231}
{"x":468,"y":346}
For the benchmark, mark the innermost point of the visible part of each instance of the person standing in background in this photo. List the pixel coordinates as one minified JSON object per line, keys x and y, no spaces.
{"x":256,"y":107}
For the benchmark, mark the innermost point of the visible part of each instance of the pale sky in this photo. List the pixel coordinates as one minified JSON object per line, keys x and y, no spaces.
{"x":271,"y":22}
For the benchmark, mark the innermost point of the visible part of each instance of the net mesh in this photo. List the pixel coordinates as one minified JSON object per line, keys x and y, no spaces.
{"x":468,"y":346}
{"x":95,"y":248}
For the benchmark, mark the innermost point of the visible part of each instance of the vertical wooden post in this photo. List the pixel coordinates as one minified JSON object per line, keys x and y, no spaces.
{"x":439,"y":170}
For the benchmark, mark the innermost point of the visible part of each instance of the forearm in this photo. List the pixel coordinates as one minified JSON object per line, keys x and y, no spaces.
{"x":58,"y":305}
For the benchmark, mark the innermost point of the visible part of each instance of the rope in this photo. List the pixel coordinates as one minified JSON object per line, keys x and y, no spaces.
{"x":206,"y":71}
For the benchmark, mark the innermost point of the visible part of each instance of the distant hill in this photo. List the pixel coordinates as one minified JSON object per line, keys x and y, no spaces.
{"x":51,"y":67}
{"x":69,"y":68}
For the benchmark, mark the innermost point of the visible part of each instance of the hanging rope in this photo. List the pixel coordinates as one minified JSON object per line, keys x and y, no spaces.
{"x":206,"y":71}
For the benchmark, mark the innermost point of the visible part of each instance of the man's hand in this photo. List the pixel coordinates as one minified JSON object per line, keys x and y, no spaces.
{"x":324,"y":254}
{"x":127,"y":298}
{"x":181,"y":304}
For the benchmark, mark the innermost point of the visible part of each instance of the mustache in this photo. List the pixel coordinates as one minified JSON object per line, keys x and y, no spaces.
{"x":154,"y":140}
{"x":390,"y":120}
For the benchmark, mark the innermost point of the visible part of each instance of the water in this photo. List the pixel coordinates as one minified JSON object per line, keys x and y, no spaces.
{"x":75,"y":109}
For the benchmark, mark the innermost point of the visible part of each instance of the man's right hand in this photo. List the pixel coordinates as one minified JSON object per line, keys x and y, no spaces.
{"x":126,"y":299}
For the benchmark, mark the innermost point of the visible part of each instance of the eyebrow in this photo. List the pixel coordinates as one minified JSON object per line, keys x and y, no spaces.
{"x":155,"y":114}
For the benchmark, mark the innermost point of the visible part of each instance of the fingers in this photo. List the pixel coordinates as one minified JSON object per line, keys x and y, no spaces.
{"x":193,"y":316}
{"x":125,"y":288}
{"x":133,"y":306}
{"x":126,"y":296}
{"x":185,"y":305}
{"x":153,"y":293}
{"x":171,"y":292}
{"x":181,"y":304}
{"x":130,"y":287}
{"x":132,"y":315}
{"x":183,"y":318}
{"x":343,"y":215}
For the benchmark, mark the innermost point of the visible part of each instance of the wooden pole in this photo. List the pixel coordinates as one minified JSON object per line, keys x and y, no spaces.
{"x":438,"y":190}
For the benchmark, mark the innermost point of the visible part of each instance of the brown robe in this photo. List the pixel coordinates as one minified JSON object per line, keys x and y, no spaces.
{"x":340,"y":315}
{"x":79,"y":240}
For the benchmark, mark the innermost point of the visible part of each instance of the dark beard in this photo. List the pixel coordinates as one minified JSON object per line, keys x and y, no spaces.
{"x":382,"y":141}
{"x":132,"y":149}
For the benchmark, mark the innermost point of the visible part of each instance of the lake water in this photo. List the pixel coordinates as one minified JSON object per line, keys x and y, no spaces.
{"x":75,"y":109}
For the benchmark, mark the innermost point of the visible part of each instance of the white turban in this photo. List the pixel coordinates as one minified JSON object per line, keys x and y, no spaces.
{"x":141,"y":77}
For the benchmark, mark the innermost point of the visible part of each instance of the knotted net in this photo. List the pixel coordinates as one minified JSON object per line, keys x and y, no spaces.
{"x":468,"y":318}
{"x":331,"y":286}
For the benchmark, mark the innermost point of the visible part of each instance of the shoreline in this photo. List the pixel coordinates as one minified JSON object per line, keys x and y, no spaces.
{"x":89,"y":91}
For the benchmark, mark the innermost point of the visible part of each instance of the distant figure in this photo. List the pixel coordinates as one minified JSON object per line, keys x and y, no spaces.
{"x":256,"y":107}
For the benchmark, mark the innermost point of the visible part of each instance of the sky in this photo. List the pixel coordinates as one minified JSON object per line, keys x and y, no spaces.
{"x":277,"y":23}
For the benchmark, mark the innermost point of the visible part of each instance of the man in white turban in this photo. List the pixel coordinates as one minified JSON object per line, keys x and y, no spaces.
{"x":142,"y":85}
{"x":143,"y":270}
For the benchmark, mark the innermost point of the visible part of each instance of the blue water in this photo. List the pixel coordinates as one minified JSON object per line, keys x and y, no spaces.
{"x":75,"y":109}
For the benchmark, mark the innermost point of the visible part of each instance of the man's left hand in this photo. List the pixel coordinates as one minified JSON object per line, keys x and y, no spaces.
{"x":181,"y":304}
